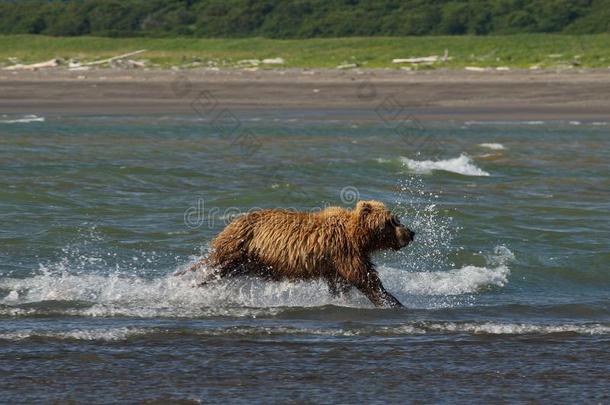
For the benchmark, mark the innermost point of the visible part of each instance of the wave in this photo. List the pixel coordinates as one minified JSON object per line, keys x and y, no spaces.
{"x":22,"y":120}
{"x":461,"y":165}
{"x":110,"y":334}
{"x":466,"y":280}
{"x":510,"y":123}
{"x":484,"y":328}
{"x":100,"y":295}
{"x":492,"y":146}
{"x":419,"y":328}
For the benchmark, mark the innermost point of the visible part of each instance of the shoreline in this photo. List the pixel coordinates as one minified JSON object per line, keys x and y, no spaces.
{"x":438,"y":95}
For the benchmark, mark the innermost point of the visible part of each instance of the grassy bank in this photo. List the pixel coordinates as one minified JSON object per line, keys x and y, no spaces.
{"x":518,"y":51}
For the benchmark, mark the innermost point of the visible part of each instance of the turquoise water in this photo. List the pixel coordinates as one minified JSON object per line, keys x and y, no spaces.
{"x":506,"y":285}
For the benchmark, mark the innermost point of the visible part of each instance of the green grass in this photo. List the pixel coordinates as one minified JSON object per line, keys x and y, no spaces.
{"x":518,"y":51}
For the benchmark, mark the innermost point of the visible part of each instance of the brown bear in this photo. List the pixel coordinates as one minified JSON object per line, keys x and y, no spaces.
{"x":334,"y":244}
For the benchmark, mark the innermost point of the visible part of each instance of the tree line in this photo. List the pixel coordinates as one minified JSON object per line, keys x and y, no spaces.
{"x":301,"y":18}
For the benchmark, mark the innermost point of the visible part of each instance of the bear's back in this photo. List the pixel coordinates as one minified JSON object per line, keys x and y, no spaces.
{"x":297,"y":243}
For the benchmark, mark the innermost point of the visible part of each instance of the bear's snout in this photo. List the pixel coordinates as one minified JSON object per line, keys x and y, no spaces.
{"x":404,"y":236}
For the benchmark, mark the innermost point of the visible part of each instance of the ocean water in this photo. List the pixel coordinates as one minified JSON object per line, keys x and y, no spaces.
{"x":506,"y":287}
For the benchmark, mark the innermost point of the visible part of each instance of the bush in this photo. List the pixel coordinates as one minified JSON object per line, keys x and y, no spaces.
{"x":301,"y":18}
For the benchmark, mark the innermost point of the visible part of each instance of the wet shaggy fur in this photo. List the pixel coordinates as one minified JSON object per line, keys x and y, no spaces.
{"x":335,"y":244}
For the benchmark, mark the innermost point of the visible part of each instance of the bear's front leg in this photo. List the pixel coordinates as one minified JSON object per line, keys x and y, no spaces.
{"x":365,"y":278}
{"x":379,"y":296}
{"x":388,"y":299}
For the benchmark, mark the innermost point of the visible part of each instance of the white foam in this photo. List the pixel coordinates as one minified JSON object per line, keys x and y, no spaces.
{"x":465,"y":280}
{"x":252,"y":331}
{"x":492,"y":146}
{"x":461,"y":165}
{"x":495,"y":328}
{"x":111,"y":334}
{"x":119,"y":295}
{"x":511,"y":123}
{"x":416,"y":328}
{"x":23,"y":120}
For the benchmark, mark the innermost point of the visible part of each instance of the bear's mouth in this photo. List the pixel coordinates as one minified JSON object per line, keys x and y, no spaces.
{"x":402,"y":245}
{"x":405,"y":237}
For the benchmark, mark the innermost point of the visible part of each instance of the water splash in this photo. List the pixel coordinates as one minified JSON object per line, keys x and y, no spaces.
{"x":418,"y":208}
{"x":60,"y":292}
{"x":86,"y":282}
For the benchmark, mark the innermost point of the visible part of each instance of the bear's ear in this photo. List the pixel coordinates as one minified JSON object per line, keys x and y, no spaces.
{"x":363,"y":208}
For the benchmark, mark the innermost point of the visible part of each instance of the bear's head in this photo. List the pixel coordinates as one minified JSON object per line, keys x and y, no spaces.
{"x":378,"y":229}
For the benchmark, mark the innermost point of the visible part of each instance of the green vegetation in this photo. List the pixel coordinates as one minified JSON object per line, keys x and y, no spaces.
{"x":301,"y":18}
{"x":544,"y":50}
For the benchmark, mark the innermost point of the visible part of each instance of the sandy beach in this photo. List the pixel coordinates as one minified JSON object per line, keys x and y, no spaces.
{"x":429,"y":95}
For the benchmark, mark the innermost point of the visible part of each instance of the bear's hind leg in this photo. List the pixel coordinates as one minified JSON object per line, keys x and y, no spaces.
{"x":235,"y":266}
{"x":226,"y":270}
{"x":338,"y":286}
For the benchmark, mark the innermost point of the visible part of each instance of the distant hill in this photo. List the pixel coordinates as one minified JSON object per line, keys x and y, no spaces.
{"x":301,"y":18}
